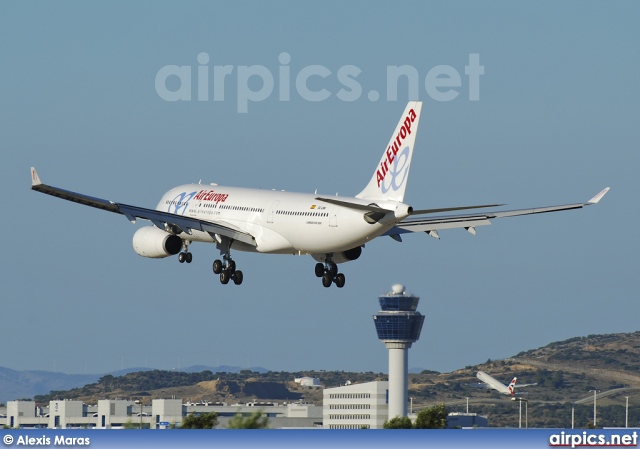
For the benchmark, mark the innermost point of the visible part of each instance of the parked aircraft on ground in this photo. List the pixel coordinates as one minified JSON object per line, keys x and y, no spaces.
{"x":331,"y":229}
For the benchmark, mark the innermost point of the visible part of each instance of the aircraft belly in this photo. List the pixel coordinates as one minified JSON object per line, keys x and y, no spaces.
{"x":325,"y":239}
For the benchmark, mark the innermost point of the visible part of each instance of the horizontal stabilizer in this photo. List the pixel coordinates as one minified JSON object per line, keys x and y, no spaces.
{"x":450,"y":209}
{"x":357,"y":206}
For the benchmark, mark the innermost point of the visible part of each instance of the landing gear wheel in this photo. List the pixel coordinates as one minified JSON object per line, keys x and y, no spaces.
{"x":238,"y":277}
{"x":319,"y":270}
{"x":225,"y":277}
{"x":332,"y":269}
{"x":231,"y":266}
{"x":327,"y":279}
{"x":339,"y":280}
{"x":189,"y":257}
{"x":217,"y":266}
{"x":182,"y":257}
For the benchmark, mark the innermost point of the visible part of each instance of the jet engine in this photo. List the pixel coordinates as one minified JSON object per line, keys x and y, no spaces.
{"x":156,"y":243}
{"x":341,"y":257}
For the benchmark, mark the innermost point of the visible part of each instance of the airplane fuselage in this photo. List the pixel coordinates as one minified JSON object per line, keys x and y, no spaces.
{"x":311,"y":226}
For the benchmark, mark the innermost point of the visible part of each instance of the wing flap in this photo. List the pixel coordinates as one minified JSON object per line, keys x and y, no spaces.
{"x":436,"y":225}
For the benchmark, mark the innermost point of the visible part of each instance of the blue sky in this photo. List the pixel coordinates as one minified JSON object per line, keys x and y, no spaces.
{"x":555,"y":122}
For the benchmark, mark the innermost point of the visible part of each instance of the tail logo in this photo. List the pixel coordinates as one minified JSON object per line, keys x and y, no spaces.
{"x":512,"y":386}
{"x":399,"y":170}
{"x":391,"y":159}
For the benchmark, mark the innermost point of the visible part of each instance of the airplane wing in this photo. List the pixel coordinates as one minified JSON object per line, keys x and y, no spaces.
{"x":432,"y":225}
{"x":163,"y":220}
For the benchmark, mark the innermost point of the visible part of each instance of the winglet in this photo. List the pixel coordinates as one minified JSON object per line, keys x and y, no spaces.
{"x":35,"y":179}
{"x":599,"y":196}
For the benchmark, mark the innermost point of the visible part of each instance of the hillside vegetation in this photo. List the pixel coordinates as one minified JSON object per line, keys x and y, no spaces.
{"x":565,"y":372}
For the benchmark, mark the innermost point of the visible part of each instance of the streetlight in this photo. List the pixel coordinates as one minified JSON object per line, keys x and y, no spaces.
{"x":626,"y":413}
{"x":139,"y":401}
{"x":526,"y":412}
{"x":594,"y":406}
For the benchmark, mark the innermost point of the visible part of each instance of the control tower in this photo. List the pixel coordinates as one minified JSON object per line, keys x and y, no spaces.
{"x":398,"y":326}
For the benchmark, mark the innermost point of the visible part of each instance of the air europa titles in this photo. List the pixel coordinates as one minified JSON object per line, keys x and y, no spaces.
{"x":210,"y":195}
{"x":393,"y":149}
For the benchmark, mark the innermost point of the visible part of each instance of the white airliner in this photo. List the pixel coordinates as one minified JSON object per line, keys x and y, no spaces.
{"x":331,"y":229}
{"x":495,"y":384}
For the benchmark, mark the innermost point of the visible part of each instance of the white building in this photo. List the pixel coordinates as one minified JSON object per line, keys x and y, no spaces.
{"x":113,"y":413}
{"x":466,"y":420}
{"x":19,"y":412}
{"x":162,"y":413}
{"x":64,"y":414}
{"x":307,"y":381}
{"x":356,"y":406}
{"x":166,"y":411}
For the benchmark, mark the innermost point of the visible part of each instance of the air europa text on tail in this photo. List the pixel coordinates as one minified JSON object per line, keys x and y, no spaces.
{"x":393,"y":149}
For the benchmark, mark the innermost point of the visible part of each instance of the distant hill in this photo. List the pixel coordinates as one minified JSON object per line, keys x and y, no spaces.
{"x":614,"y":356}
{"x":27,"y":384}
{"x":565,"y":372}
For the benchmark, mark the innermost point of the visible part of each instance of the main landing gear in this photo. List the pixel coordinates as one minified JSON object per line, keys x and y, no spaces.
{"x":329,"y":274}
{"x":185,"y":255}
{"x":226,"y":267}
{"x":227,"y":270}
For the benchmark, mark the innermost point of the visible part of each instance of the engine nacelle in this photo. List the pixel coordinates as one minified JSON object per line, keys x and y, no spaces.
{"x":341,"y":257}
{"x":156,"y":243}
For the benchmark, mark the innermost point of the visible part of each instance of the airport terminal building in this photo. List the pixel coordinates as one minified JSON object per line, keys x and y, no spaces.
{"x":161,"y":414}
{"x":359,"y":406}
{"x":356,"y":406}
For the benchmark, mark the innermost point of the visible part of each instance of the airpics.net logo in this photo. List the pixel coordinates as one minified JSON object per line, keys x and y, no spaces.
{"x":255,"y":83}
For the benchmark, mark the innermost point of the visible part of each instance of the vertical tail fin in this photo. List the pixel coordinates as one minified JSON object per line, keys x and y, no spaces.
{"x":389,"y":179}
{"x":512,"y":386}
